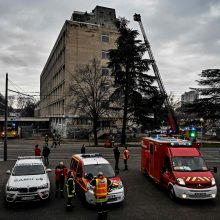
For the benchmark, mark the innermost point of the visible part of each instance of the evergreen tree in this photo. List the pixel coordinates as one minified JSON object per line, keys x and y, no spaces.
{"x":208,"y":105}
{"x":129,"y":69}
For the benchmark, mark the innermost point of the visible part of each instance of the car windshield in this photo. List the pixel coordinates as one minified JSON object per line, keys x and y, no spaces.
{"x":28,"y":170}
{"x":94,"y":169}
{"x":189,"y":164}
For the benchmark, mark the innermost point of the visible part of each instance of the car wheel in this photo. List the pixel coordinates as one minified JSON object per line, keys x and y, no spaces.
{"x":172,"y":195}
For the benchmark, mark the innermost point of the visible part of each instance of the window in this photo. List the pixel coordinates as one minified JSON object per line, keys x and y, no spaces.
{"x":71,"y":164}
{"x":28,"y":170}
{"x":105,"y":38}
{"x":79,"y":170}
{"x":75,"y":165}
{"x":105,"y":55}
{"x":167,"y":165}
{"x":189,"y":164}
{"x":105,"y":71}
{"x":94,"y":169}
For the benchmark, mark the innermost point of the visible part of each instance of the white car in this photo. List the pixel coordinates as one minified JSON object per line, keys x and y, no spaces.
{"x":28,"y":181}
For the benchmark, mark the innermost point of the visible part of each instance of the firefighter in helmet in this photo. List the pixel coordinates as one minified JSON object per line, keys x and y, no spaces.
{"x":101,"y":185}
{"x":70,"y":189}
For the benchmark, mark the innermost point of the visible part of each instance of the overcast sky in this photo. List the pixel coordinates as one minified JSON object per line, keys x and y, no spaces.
{"x":184,"y":36}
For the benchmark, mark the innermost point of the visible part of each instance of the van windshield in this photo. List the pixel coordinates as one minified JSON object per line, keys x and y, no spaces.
{"x":189,"y":164}
{"x":94,"y":169}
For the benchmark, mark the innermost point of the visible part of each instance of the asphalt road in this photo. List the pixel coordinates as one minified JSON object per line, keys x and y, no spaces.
{"x":144,"y":199}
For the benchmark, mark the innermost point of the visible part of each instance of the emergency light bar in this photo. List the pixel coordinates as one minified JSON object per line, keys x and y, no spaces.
{"x":91,"y":155}
{"x":180,"y":144}
{"x":29,"y":157}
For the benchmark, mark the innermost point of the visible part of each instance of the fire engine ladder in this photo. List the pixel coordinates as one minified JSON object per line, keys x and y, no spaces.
{"x":171,"y":117}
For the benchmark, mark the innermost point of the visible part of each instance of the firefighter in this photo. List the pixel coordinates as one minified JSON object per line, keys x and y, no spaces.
{"x":70,"y":189}
{"x":126,"y":157}
{"x":101,"y":185}
{"x":60,"y":174}
{"x":46,"y":140}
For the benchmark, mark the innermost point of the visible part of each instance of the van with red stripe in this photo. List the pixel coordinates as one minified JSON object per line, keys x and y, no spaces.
{"x":85,"y":167}
{"x":179,"y":167}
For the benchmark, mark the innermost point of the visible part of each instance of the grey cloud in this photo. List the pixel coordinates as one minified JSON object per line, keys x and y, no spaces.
{"x":183,"y":35}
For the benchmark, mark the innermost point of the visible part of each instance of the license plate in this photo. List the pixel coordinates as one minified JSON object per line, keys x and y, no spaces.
{"x":27,"y":198}
{"x":200,"y":194}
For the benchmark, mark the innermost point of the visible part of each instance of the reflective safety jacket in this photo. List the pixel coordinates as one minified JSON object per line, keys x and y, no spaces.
{"x":101,"y":189}
{"x":70,"y":187}
{"x":126,"y":154}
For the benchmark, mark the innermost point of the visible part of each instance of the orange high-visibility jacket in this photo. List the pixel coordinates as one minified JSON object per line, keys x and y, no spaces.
{"x":125,"y":154}
{"x":101,"y":189}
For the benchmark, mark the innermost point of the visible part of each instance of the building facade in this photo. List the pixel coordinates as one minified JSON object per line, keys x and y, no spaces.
{"x":84,"y":37}
{"x":189,"y":97}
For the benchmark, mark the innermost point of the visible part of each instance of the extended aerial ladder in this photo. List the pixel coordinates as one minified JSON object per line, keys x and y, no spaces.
{"x":171,"y":116}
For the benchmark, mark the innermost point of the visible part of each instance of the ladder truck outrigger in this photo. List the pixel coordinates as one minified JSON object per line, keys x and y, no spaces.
{"x":171,"y":116}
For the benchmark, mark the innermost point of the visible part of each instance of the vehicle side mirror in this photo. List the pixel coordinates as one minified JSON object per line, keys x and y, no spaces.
{"x":48,"y":170}
{"x":8,"y":172}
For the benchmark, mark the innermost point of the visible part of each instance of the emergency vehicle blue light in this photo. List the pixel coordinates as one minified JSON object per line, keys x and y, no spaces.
{"x":157,"y":136}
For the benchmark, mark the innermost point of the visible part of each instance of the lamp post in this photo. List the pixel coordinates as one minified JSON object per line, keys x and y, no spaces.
{"x":89,"y":123}
{"x":201,"y":121}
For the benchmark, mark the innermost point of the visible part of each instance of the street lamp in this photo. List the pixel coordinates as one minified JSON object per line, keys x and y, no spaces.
{"x":201,"y":121}
{"x":89,"y":123}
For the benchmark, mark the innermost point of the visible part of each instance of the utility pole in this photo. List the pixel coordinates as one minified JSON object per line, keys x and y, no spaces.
{"x":6,"y":117}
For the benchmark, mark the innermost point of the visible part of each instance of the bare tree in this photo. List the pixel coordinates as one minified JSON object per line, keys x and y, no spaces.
{"x":91,"y":91}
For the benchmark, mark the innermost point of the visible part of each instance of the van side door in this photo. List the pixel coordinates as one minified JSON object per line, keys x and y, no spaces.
{"x":166,"y":172}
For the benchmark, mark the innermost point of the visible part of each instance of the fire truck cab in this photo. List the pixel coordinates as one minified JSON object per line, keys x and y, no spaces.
{"x":179,"y":167}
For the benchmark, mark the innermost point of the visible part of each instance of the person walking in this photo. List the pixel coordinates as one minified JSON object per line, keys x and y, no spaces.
{"x":117,"y":156}
{"x":70,"y":189}
{"x":45,"y":154}
{"x":37,"y":150}
{"x":83,"y":149}
{"x":60,"y":174}
{"x":101,"y":185}
{"x":54,"y":144}
{"x":126,"y":157}
{"x":46,"y":140}
{"x":58,"y":139}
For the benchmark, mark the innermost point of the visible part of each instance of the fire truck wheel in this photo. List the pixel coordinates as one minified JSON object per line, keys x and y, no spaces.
{"x":172,"y":193}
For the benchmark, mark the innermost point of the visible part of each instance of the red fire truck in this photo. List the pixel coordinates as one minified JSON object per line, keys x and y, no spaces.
{"x":179,"y":167}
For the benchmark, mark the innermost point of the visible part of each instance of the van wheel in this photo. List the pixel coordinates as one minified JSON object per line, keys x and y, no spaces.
{"x":172,"y":193}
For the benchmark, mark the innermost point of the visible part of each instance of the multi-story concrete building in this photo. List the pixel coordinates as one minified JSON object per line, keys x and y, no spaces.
{"x":189,"y":97}
{"x":84,"y":37}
